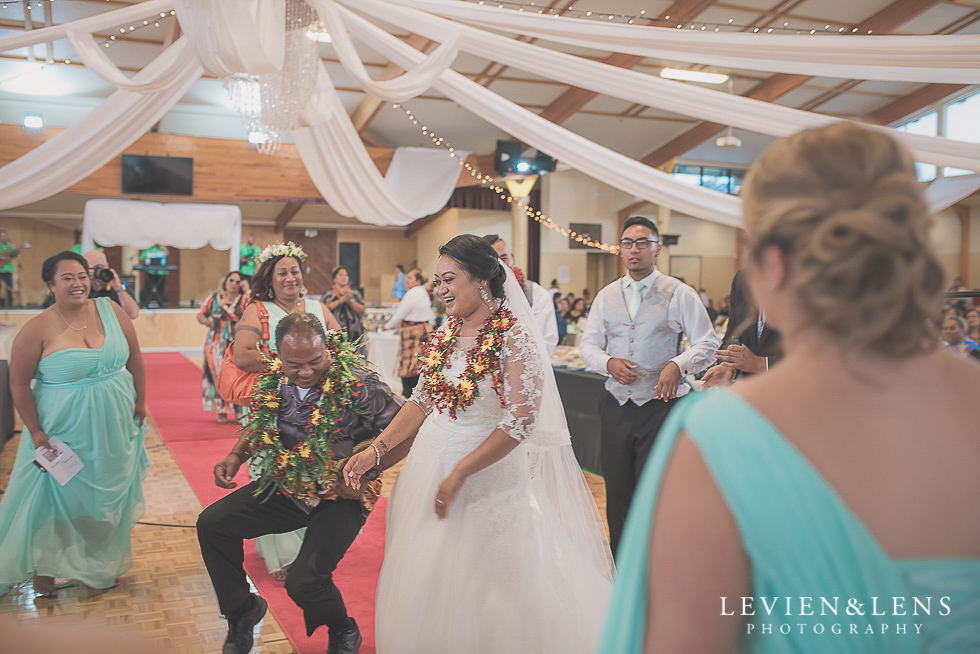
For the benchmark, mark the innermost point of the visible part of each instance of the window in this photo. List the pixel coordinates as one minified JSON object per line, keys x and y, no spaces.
{"x":725,"y":180}
{"x":926,"y":125}
{"x":957,"y":119}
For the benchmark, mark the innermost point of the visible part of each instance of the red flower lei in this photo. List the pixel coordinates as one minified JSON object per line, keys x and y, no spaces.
{"x":519,"y":276}
{"x":481,"y":360}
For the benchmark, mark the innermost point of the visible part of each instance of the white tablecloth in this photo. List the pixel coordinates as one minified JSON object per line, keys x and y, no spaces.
{"x":383,"y":353}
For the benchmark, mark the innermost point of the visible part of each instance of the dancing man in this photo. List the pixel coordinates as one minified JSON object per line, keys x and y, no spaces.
{"x":311,"y":409}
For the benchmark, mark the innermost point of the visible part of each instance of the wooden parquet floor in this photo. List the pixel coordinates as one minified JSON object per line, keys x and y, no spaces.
{"x":166,"y":597}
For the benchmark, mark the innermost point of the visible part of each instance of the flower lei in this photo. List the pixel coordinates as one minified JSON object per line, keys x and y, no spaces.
{"x":519,"y":276}
{"x":306,"y":470}
{"x":481,"y":360}
{"x":282,"y":249}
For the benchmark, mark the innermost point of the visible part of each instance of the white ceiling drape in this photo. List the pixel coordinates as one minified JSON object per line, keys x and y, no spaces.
{"x":101,"y":135}
{"x":243,"y":36}
{"x":669,"y":95}
{"x":953,"y":59}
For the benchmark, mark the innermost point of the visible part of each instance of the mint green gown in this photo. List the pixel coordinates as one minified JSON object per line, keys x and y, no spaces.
{"x":82,"y":530}
{"x":802,"y":541}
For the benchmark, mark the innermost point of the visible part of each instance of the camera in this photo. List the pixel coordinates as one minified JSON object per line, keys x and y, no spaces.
{"x":104,"y":274}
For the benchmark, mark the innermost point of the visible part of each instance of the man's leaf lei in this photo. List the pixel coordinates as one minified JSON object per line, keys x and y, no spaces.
{"x":297,"y":471}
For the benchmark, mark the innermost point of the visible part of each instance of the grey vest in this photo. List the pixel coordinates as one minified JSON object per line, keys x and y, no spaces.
{"x":646,"y":340}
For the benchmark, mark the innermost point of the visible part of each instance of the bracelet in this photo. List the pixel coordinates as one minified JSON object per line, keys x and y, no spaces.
{"x":377,"y":455}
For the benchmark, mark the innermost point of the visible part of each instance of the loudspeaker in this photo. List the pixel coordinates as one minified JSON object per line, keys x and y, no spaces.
{"x":543,"y":163}
{"x":507,"y":155}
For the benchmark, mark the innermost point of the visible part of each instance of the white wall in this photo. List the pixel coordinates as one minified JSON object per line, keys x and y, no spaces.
{"x":572,"y":197}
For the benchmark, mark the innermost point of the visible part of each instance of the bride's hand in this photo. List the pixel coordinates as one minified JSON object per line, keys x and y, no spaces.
{"x":357,"y":465}
{"x":448,"y":490}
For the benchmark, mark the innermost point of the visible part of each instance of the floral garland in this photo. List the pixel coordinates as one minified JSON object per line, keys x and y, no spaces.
{"x":278,"y":249}
{"x":307,"y":470}
{"x":519,"y":276}
{"x":481,"y":360}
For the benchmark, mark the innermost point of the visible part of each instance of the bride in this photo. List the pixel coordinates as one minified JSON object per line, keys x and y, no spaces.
{"x":493,"y":542}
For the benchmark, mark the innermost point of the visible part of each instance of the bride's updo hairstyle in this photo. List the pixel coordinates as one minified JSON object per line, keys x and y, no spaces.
{"x":843,"y":205}
{"x":477,"y":258}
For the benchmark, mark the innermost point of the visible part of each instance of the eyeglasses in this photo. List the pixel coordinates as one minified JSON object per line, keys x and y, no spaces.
{"x":640,"y":243}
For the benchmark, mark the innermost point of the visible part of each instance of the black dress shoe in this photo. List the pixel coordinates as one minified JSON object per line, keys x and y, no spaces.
{"x":345,"y":641}
{"x":239,"y":639}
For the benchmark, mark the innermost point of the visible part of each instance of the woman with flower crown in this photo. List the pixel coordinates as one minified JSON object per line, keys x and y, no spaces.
{"x":493,"y":542}
{"x":278,"y":286}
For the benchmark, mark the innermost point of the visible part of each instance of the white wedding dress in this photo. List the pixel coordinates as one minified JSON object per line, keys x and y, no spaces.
{"x":521,"y":562}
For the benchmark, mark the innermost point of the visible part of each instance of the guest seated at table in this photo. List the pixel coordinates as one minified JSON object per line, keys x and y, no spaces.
{"x":824,"y":482}
{"x":560,"y":317}
{"x":576,"y":316}
{"x":954,"y":337}
{"x":973,"y":325}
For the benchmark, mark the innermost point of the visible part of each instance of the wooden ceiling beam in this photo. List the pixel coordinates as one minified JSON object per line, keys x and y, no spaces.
{"x":889,"y":18}
{"x":370,"y":105}
{"x":912,"y":103}
{"x":288,"y":213}
{"x":574,"y":99}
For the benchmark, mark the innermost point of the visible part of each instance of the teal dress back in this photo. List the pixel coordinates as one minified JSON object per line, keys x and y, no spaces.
{"x":81,"y":530}
{"x":802,"y":541}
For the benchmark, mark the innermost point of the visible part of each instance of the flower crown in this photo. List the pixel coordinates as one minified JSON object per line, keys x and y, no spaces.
{"x":282,"y":250}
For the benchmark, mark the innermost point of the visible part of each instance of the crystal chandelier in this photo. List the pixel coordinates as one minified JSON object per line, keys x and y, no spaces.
{"x":270,"y":104}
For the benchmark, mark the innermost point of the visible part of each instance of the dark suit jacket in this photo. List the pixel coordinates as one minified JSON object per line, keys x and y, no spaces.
{"x":740,"y":306}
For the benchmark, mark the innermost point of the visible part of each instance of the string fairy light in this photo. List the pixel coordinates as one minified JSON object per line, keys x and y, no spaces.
{"x":29,"y":3}
{"x":138,"y":26}
{"x":665,"y":21}
{"x":501,"y":191}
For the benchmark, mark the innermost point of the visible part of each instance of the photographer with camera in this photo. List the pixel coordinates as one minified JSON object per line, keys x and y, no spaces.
{"x":105,"y":283}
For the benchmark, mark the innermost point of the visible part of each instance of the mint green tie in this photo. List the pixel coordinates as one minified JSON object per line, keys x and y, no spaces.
{"x":634,"y":306}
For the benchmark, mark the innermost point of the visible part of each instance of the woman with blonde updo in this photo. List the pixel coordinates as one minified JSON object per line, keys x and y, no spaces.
{"x":844,"y":477}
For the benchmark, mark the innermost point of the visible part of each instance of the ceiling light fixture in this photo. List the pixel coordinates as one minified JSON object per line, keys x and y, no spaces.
{"x":728,"y":139}
{"x":693,"y":76}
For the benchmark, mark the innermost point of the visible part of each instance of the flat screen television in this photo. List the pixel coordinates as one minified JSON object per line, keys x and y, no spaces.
{"x":146,"y":175}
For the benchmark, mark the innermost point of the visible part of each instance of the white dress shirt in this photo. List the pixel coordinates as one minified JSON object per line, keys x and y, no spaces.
{"x":543,"y":308}
{"x":414,"y":307}
{"x":685,"y":314}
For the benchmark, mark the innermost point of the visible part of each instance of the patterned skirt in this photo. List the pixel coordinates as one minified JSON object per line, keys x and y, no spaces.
{"x":414,"y":337}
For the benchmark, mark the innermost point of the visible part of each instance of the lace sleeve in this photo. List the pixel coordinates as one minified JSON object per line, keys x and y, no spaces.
{"x":523,"y":383}
{"x":421,"y":397}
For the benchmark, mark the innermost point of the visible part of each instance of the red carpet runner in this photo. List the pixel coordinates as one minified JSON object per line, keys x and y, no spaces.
{"x":197,"y":442}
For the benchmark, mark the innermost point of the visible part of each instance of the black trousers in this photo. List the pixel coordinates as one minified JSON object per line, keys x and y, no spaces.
{"x":330,"y":529}
{"x":627,"y":434}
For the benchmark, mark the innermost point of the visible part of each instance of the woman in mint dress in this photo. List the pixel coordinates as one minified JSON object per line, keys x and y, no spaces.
{"x":278,"y":285}
{"x":829,"y":504}
{"x":88,"y":390}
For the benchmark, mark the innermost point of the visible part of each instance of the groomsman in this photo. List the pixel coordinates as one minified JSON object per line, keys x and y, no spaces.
{"x":750,"y":345}
{"x":633,"y":335}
